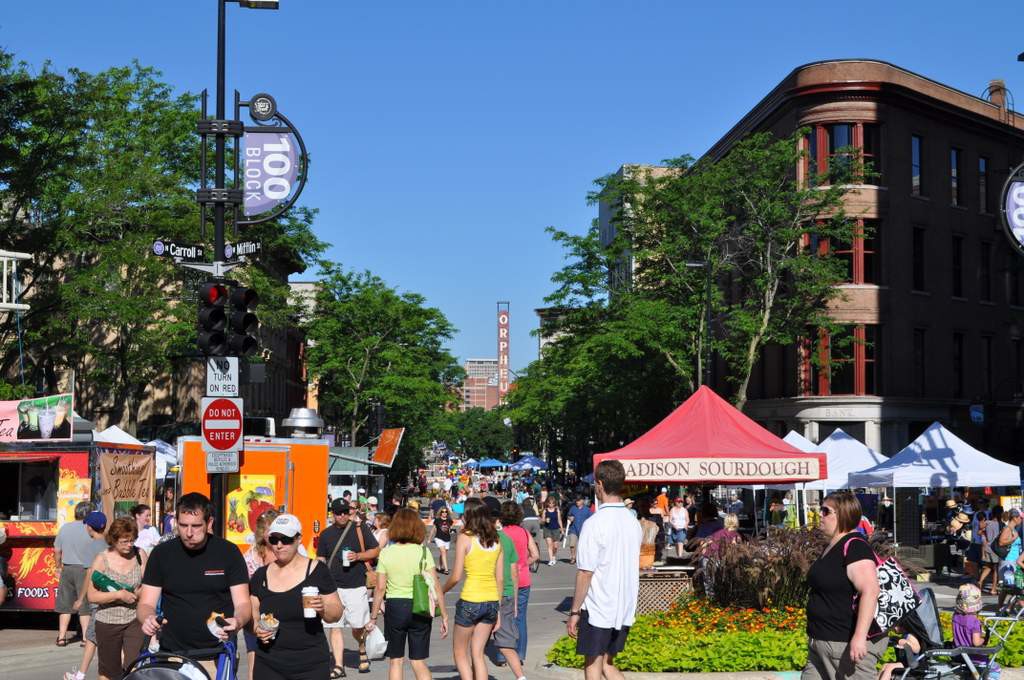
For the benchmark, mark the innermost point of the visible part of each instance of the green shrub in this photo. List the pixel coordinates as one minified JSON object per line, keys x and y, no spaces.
{"x":731,"y":640}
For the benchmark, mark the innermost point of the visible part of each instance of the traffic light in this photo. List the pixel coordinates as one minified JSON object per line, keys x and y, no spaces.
{"x":242,"y":322}
{"x":212,"y":319}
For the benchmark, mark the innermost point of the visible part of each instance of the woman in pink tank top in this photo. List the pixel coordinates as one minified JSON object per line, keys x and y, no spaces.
{"x":526,"y":547}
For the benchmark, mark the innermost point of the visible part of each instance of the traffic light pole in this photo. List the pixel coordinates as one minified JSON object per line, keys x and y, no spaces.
{"x":216,"y":479}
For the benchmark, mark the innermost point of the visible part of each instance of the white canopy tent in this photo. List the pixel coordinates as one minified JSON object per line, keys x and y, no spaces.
{"x":936,"y":459}
{"x":797,"y":440}
{"x":845,"y":455}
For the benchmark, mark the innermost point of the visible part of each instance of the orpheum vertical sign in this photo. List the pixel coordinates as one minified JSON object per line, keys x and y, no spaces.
{"x":503,"y":346}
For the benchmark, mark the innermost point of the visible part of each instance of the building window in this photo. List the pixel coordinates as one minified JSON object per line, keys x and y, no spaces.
{"x":982,"y":184}
{"x":958,"y":365}
{"x":847,"y":362}
{"x":872,"y":150}
{"x":1013,"y":293}
{"x":1017,"y":347}
{"x":836,"y":145}
{"x":916,"y":185}
{"x":955,"y":188}
{"x":958,"y":266}
{"x":917,"y":255}
{"x":985,"y":272}
{"x":986,"y":364}
{"x":919,"y":363}
{"x":860,"y":258}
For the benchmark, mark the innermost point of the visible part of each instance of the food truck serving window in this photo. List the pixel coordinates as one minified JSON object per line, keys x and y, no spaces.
{"x":28,"y":487}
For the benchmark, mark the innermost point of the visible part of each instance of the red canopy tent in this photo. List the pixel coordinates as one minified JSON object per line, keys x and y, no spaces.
{"x":708,"y":441}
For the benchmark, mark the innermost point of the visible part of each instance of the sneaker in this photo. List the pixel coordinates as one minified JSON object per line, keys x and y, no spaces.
{"x":74,"y":674}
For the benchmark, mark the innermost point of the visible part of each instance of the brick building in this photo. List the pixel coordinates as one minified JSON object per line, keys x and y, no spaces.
{"x":480,"y":387}
{"x":934,"y":295}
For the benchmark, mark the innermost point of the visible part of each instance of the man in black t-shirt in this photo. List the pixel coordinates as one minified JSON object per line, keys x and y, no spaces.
{"x":197,"y":574}
{"x":355,"y":551}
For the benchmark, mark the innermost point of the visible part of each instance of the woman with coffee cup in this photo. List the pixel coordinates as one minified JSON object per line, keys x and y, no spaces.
{"x":291,"y":597}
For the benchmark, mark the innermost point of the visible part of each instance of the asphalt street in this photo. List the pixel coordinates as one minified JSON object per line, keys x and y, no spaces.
{"x":27,"y":650}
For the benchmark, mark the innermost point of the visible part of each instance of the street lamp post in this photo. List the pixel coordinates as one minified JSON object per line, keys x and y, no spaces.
{"x":221,"y":196}
{"x":706,"y":342}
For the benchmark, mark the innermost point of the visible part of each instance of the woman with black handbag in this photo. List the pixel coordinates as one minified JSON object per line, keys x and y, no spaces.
{"x":1007,"y":548}
{"x":398,"y":566}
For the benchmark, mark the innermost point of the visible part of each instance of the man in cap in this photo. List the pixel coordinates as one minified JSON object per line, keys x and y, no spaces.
{"x":345,"y":547}
{"x":371,"y":509}
{"x":74,"y":550}
{"x":95,"y":524}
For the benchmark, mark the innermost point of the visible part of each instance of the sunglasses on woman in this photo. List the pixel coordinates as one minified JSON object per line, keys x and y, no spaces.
{"x":826,"y":511}
{"x":278,"y":539}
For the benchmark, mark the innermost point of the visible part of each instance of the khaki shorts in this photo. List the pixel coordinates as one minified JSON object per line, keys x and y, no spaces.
{"x":70,"y":587}
{"x":827,"y":660}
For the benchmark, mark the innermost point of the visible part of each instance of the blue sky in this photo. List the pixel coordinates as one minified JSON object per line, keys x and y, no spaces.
{"x":446,"y":135}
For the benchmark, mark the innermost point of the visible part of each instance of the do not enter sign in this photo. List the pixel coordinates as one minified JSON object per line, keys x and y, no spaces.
{"x":221,"y":424}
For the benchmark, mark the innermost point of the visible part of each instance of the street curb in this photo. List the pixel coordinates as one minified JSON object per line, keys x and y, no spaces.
{"x":553,"y":672}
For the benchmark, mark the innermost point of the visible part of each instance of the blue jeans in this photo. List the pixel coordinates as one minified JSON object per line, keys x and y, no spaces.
{"x":522,"y":599}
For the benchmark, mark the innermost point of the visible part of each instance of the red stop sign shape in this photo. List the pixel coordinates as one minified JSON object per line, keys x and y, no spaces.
{"x":222,"y":423}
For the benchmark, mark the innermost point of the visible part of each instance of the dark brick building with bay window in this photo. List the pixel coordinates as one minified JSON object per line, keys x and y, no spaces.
{"x":934,"y":294}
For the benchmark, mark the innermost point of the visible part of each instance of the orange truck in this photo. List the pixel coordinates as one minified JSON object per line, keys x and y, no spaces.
{"x":284,"y":473}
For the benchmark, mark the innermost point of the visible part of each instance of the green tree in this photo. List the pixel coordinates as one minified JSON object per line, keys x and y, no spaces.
{"x":93,"y":169}
{"x":476,"y":432}
{"x":370,"y":344}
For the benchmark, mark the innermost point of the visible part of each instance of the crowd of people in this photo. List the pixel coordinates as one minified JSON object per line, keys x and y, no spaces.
{"x":177,"y":586}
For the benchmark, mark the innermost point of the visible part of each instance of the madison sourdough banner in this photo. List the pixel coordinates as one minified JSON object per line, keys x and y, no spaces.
{"x":761,"y":470}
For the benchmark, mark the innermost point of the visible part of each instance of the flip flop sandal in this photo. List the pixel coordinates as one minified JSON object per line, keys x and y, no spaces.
{"x":337,"y":672}
{"x":61,"y":642}
{"x":364,"y":662}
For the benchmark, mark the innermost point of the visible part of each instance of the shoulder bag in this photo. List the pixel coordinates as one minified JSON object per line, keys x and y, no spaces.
{"x":371,"y":575}
{"x":421,"y":599}
{"x":998,"y":548}
{"x":896,"y":596}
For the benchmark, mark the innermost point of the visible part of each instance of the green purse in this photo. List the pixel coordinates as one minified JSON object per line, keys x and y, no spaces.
{"x":421,"y":592}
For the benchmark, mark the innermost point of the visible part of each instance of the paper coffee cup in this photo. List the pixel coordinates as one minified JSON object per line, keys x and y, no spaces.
{"x":308,"y":593}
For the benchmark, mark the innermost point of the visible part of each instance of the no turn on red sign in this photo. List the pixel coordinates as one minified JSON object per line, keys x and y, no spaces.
{"x":221,"y":420}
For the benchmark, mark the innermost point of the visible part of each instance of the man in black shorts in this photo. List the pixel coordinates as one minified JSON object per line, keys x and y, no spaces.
{"x":199,"y":575}
{"x":607,"y":580}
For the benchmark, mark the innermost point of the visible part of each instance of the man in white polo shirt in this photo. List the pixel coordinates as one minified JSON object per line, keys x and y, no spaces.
{"x":607,"y":577}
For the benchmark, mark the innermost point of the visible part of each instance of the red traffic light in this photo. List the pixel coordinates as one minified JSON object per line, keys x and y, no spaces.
{"x":213,"y":293}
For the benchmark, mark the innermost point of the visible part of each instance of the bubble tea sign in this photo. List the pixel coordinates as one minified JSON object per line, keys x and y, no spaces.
{"x":41,"y":419}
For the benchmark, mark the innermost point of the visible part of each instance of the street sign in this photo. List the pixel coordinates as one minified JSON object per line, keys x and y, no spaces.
{"x":242,"y":249}
{"x":225,"y":462}
{"x":271,"y":167}
{"x":186,"y":252}
{"x":222,"y":377}
{"x":221,"y":421}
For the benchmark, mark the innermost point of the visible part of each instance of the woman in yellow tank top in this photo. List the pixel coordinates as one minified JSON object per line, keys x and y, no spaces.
{"x":478,"y":555}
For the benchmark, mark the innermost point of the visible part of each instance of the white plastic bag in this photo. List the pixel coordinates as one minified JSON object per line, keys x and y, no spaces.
{"x":376,"y":645}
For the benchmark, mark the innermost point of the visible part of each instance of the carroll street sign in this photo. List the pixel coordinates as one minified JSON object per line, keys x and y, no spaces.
{"x":190,"y":252}
{"x":1012,"y":208}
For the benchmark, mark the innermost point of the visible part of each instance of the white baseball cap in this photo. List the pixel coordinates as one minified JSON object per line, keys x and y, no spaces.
{"x":286,"y":525}
{"x":372,"y":500}
{"x":362,"y":490}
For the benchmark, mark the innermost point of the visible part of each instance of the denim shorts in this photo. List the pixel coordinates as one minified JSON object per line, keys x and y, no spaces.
{"x":468,"y":614}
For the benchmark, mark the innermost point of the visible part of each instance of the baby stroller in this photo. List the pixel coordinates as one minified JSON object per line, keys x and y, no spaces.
{"x":185,"y":665}
{"x":939,"y":661}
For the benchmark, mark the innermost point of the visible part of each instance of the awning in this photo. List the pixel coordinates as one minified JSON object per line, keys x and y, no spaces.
{"x":28,"y":457}
{"x":708,"y":441}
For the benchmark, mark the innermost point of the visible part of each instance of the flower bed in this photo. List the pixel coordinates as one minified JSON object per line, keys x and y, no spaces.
{"x":695,"y":636}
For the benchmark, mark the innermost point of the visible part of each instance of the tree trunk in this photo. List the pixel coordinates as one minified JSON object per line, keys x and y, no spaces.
{"x":755,"y":344}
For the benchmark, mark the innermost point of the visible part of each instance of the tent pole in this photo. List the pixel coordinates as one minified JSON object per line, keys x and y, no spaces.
{"x":803,"y":504}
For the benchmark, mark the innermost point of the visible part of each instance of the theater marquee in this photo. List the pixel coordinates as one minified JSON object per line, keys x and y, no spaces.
{"x":761,"y":470}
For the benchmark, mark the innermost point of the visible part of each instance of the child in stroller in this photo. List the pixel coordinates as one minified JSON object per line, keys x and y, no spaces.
{"x":939,"y":661}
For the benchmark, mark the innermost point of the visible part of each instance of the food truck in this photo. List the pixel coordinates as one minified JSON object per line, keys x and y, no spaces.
{"x":283,"y":473}
{"x":41,"y":482}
